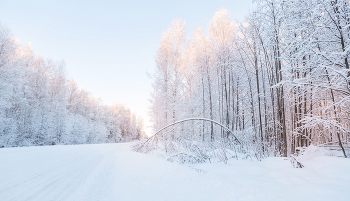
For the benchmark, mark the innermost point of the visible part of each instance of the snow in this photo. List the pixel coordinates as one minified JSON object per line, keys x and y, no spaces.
{"x":115,"y":172}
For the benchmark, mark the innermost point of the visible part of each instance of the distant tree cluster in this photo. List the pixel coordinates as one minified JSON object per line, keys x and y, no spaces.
{"x":40,"y":106}
{"x":280,"y":79}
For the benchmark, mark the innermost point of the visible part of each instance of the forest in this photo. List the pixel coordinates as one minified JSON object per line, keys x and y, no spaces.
{"x":279,"y":80}
{"x":255,"y":109}
{"x":39,"y":105}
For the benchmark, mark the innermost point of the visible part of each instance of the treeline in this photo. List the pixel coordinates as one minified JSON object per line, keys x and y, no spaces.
{"x":40,"y":106}
{"x":280,"y":79}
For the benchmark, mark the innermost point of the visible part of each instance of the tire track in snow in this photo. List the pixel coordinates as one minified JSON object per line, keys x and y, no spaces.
{"x":55,"y":179}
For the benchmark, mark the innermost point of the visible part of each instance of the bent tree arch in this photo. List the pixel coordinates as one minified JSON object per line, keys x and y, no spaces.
{"x":194,"y":119}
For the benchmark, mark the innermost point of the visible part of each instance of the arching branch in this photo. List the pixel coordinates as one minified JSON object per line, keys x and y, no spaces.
{"x":192,"y":119}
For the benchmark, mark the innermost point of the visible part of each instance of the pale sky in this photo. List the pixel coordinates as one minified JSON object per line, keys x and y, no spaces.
{"x":108,"y":46}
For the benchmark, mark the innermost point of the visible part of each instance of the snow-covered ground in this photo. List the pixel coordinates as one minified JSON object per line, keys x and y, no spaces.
{"x":114,"y":172}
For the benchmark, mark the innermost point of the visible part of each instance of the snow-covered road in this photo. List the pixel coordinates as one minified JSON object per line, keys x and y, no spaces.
{"x":114,"y":172}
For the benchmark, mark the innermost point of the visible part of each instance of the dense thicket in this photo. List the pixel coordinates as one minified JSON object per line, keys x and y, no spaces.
{"x":40,"y":106}
{"x":280,"y":79}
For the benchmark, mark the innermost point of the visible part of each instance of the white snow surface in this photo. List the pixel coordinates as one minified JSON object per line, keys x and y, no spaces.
{"x":115,"y":172}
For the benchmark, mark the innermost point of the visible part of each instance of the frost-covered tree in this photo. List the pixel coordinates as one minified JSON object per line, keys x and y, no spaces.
{"x":279,"y":79}
{"x":40,"y":106}
{"x":318,"y":69}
